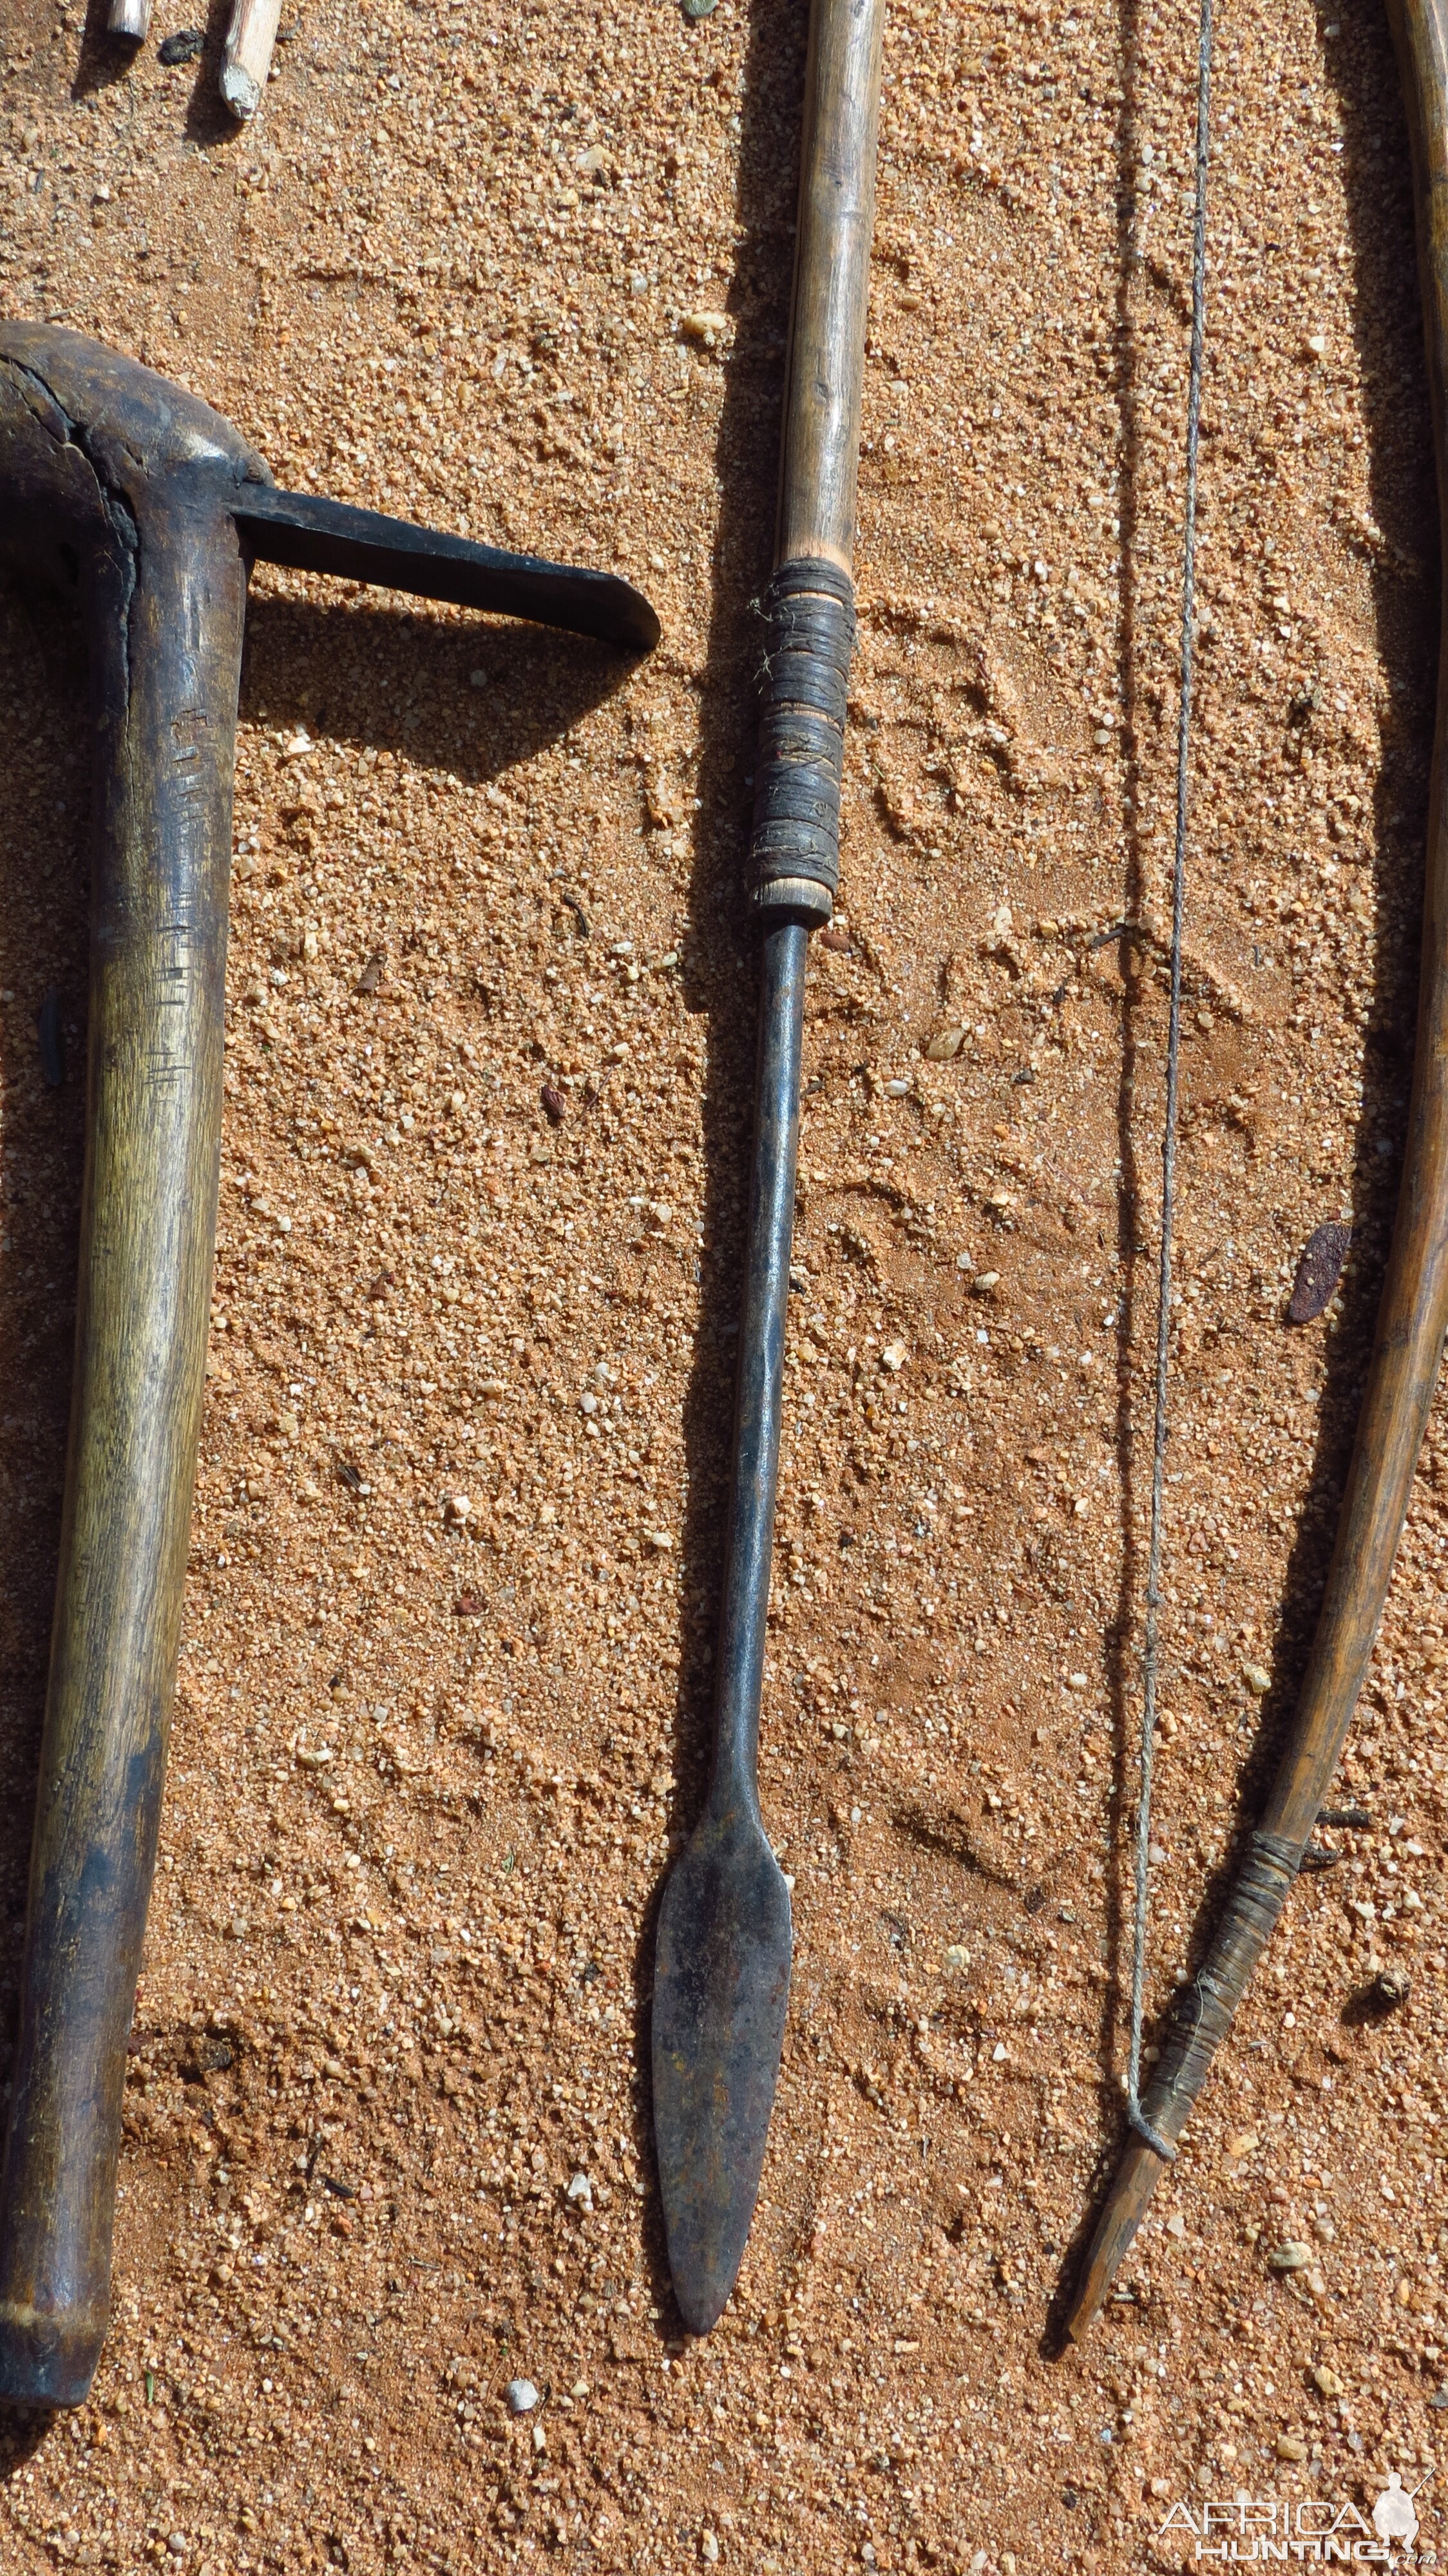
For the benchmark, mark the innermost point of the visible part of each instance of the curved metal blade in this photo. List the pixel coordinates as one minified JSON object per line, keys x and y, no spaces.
{"x":721,"y":1987}
{"x":313,"y":534}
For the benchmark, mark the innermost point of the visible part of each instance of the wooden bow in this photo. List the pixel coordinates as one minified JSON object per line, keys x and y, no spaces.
{"x":1412,"y":1320}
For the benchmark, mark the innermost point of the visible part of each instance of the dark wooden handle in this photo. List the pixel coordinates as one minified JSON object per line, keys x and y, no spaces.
{"x":168,"y":599}
{"x":1407,"y":1352}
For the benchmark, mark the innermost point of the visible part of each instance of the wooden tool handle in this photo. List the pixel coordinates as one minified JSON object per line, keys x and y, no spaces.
{"x":825,"y":371}
{"x":246,"y":57}
{"x":1407,"y":1352}
{"x":809,"y":608}
{"x":166,"y":629}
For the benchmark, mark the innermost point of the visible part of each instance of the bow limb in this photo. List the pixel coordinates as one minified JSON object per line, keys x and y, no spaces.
{"x":1412,"y":1320}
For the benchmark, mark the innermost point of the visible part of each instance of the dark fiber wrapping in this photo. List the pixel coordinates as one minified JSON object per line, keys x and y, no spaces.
{"x":809,"y":608}
{"x":1204,"y":2010}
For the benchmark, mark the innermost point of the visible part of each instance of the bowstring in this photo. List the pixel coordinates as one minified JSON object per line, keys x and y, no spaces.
{"x":1151,"y":1633}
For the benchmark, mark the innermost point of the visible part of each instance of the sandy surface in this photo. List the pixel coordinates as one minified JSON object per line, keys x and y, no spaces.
{"x":397,"y":1997}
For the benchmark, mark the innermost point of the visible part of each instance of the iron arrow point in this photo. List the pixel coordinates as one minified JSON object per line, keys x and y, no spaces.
{"x":721,"y":1988}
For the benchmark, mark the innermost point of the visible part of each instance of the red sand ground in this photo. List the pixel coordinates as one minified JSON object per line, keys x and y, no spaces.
{"x":397,"y":1997}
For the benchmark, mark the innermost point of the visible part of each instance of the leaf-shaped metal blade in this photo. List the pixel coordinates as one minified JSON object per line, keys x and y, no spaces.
{"x":721,"y":1986}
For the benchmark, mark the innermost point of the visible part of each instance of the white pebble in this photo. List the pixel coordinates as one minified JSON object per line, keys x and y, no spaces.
{"x":581,"y":2189}
{"x":521,"y":2395}
{"x":1293,"y":2256}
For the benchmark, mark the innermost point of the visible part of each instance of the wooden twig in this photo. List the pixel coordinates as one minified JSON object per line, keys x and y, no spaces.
{"x":247,"y":58}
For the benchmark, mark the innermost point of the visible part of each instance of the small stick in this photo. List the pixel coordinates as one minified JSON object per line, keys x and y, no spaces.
{"x":129,"y":18}
{"x":247,"y":58}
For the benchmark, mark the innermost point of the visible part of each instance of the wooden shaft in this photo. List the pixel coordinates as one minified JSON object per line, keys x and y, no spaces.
{"x":1408,"y":1349}
{"x":246,"y":59}
{"x":826,"y":366}
{"x":809,"y":608}
{"x":167,"y":618}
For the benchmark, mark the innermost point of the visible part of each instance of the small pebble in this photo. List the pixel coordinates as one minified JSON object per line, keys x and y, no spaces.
{"x":553,"y":1103}
{"x":1326,"y":2381}
{"x":1290,"y":2448}
{"x":1390,"y":1988}
{"x":521,"y":2395}
{"x":699,"y":8}
{"x":1318,"y":1272}
{"x":1291,"y":2256}
{"x":708,"y":2545}
{"x":892,"y":1357}
{"x":183,"y":47}
{"x":897,"y":1090}
{"x":51,"y":1034}
{"x":372,"y":973}
{"x":836,"y":940}
{"x":1257,"y":1679}
{"x":581,"y":2190}
{"x":983,"y":1282}
{"x":945,"y":1045}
